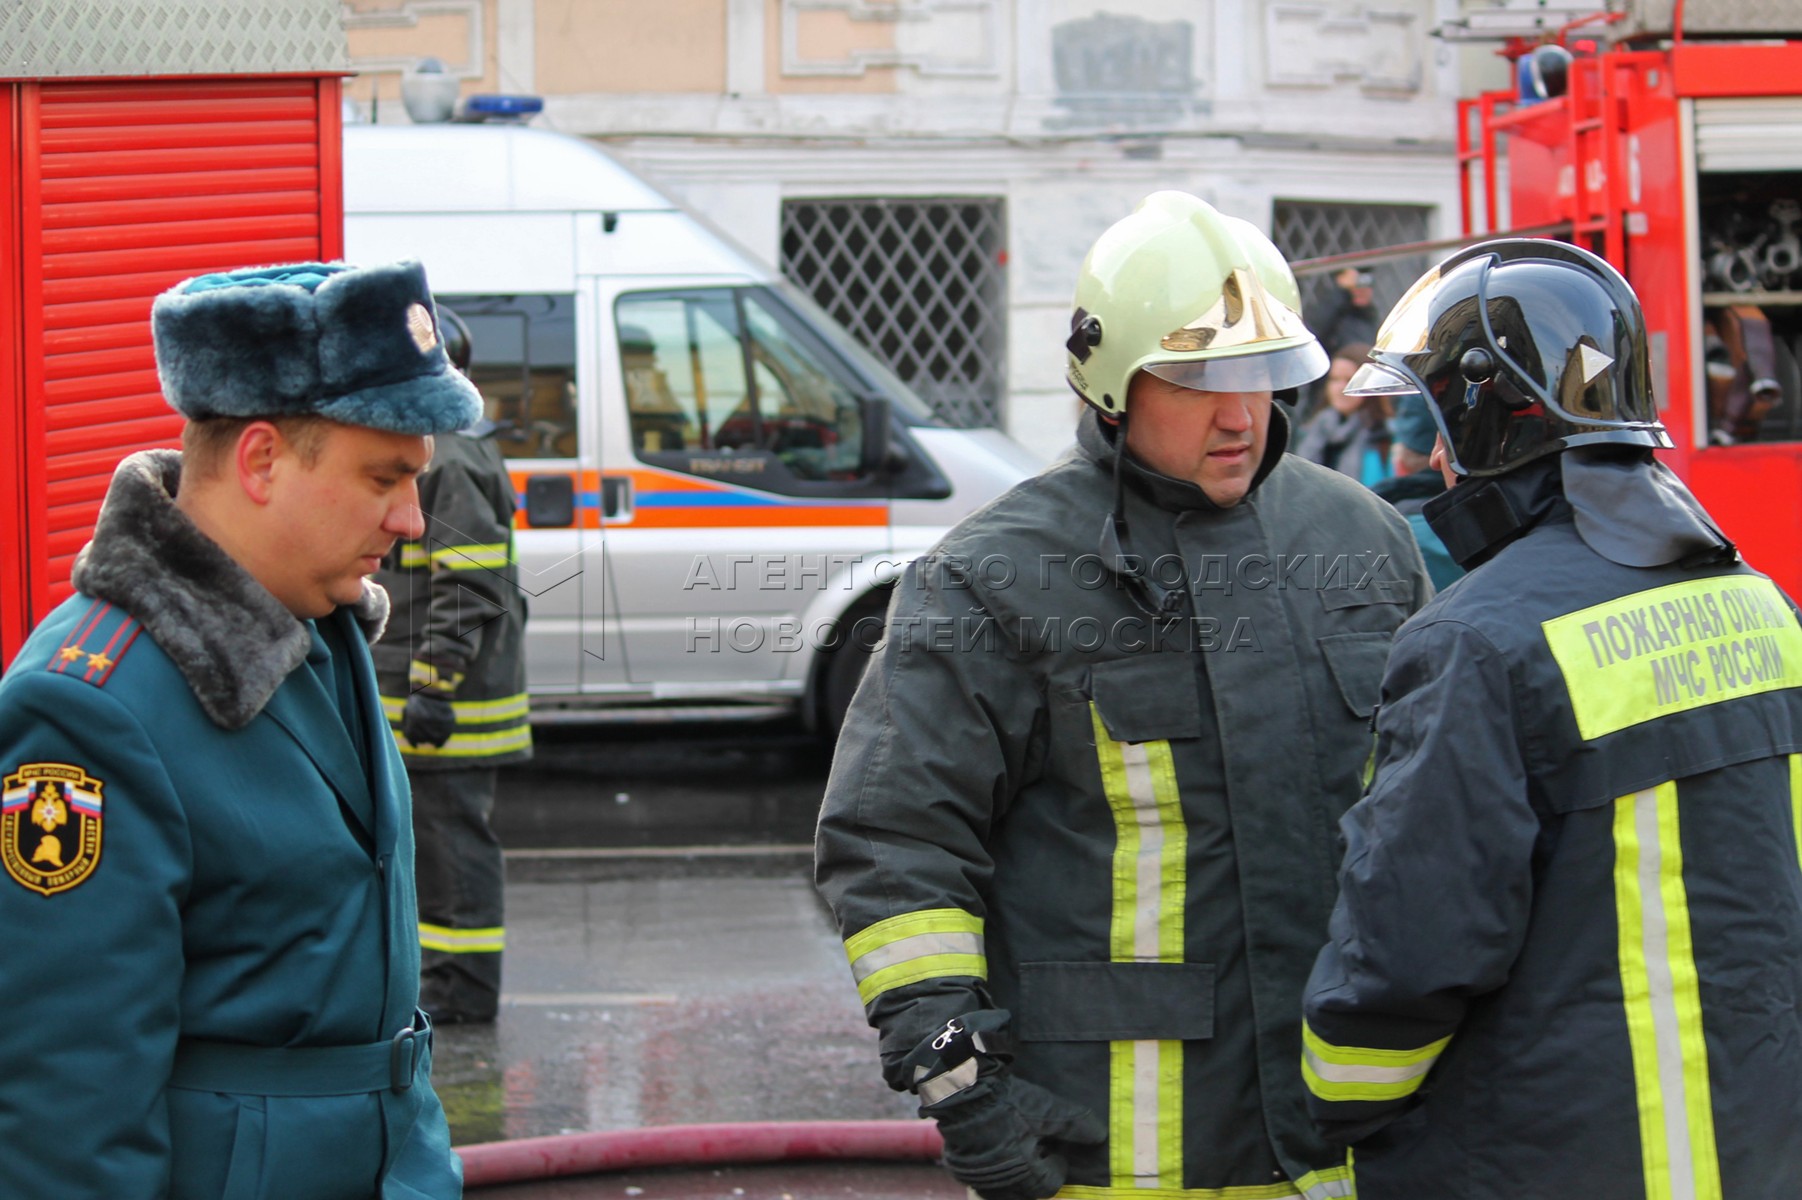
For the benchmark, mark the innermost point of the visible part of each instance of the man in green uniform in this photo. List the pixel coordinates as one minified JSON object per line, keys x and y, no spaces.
{"x":1079,"y":830}
{"x":1567,"y":954}
{"x":452,"y":672}
{"x":207,"y":920}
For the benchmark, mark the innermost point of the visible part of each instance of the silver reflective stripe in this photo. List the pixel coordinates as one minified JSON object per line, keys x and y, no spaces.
{"x":1146,"y":910}
{"x":1145,"y":1114}
{"x":1336,"y":1073}
{"x":1151,"y":847}
{"x":1668,"y":1038}
{"x":1331,"y":1189}
{"x":920,"y":945}
{"x":940,"y":1087}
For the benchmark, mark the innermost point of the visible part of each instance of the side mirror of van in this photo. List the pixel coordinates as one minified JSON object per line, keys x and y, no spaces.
{"x":550,"y":501}
{"x":875,"y":412}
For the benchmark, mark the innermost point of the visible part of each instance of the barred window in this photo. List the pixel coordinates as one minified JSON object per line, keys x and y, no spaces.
{"x":919,"y":281}
{"x":1310,"y":229}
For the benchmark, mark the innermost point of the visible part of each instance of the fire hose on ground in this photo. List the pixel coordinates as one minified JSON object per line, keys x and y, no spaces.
{"x":697,"y":1145}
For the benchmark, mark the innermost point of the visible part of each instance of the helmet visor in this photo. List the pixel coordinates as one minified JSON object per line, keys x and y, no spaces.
{"x":1375,"y":379}
{"x":1404,"y":330}
{"x":1275,"y":371}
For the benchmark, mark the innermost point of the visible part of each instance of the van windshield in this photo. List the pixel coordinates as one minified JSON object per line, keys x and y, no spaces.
{"x":906,"y":403}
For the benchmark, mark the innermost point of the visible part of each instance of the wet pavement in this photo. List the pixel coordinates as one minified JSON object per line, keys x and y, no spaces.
{"x":669,"y":962}
{"x":664,"y":1001}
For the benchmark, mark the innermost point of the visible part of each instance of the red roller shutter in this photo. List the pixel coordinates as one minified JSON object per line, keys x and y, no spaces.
{"x":125,"y":188}
{"x":15,"y":617}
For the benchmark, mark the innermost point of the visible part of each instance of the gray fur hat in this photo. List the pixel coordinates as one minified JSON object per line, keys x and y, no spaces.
{"x":357,"y":345}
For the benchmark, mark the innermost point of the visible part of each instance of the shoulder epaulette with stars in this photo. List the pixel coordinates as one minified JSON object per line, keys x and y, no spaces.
{"x":99,"y":640}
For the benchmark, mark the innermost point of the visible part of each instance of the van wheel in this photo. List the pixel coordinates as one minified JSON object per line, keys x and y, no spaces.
{"x":859,"y":631}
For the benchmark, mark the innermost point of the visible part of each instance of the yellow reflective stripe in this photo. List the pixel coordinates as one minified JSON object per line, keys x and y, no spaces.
{"x":425,"y":675}
{"x":473,"y":557}
{"x":1795,"y":801}
{"x":1145,"y":1095}
{"x":413,"y":556}
{"x":1663,"y":1001}
{"x":473,"y":711}
{"x":893,"y":929}
{"x":462,"y":941}
{"x":493,"y":710}
{"x":1675,"y":648}
{"x":1361,"y":1072}
{"x":471,"y":745}
{"x":1334,"y":1183}
{"x":920,"y":946}
{"x":904,"y":949}
{"x":931,"y":966}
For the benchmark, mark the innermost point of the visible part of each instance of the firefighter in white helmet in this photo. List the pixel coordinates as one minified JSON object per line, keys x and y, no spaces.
{"x":1079,"y":834}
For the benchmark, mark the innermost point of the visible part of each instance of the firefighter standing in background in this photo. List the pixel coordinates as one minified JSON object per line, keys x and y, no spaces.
{"x":452,"y":674}
{"x":1079,"y":832}
{"x":1567,"y":955}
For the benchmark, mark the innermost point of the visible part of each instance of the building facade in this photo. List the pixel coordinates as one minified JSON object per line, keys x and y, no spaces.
{"x":932,"y":171}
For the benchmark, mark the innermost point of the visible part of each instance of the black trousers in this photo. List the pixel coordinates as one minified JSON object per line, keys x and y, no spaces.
{"x":460,"y":877}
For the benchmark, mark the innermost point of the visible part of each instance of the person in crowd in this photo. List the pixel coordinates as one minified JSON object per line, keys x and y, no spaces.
{"x":1566,"y":958}
{"x":1414,"y":480}
{"x":208,"y":921}
{"x":1349,"y":433}
{"x":1078,"y":830}
{"x":1348,"y":316}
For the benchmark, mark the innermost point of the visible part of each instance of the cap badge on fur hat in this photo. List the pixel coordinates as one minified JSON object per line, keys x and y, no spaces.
{"x":419,"y":324}
{"x":356,"y":345}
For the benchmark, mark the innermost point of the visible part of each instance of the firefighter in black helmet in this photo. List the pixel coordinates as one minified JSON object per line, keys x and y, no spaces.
{"x":452,"y":673}
{"x":1566,"y":959}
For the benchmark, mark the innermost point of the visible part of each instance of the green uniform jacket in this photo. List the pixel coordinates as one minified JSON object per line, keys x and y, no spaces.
{"x":458,"y":611}
{"x":1127,"y":840}
{"x":1567,"y":955}
{"x":222,"y":871}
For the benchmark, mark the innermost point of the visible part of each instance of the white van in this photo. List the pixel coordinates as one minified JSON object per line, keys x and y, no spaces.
{"x":715,"y":480}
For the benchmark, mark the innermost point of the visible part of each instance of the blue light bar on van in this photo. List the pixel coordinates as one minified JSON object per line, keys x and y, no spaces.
{"x":499,"y":108}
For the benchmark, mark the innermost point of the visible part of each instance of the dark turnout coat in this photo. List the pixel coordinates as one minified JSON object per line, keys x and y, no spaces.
{"x":1121,"y":832}
{"x":457,"y":607}
{"x":1567,"y":955}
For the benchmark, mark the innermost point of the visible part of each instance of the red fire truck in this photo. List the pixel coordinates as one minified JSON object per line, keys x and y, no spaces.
{"x":132,"y":156}
{"x":1672,"y":146}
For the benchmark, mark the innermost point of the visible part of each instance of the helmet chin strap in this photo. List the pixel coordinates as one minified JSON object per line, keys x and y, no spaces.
{"x":1154,"y":599}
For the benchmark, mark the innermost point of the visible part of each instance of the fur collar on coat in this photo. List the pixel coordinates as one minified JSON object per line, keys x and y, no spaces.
{"x":231,"y":640}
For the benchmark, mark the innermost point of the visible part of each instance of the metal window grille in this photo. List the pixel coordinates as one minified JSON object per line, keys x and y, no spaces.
{"x":920,"y":282}
{"x":1309,"y":230}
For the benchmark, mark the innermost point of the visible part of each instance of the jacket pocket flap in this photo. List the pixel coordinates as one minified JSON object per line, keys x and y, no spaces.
{"x":1357,"y":661}
{"x":1377,"y":591}
{"x":1115,"y":1002}
{"x":1148,"y":698}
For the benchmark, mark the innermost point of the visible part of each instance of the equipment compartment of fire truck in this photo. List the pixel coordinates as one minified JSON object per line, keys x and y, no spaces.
{"x":1667,"y":137}
{"x":1751,"y":305}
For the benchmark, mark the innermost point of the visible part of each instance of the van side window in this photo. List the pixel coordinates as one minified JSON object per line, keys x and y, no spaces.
{"x":523,"y":360}
{"x":811,"y":420}
{"x":685,"y":373}
{"x":719,"y":378}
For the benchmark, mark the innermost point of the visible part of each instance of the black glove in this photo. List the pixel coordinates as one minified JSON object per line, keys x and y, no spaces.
{"x":1000,"y":1135}
{"x":428,"y":719}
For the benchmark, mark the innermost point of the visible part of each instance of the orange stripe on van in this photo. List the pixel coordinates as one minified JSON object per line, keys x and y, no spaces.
{"x":748,"y":518}
{"x":668,"y":500}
